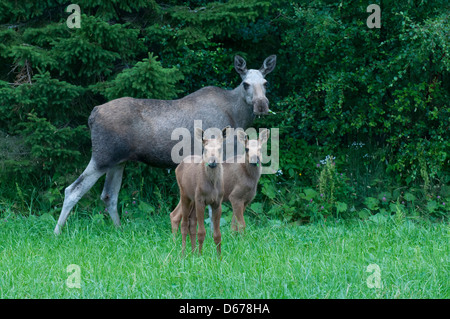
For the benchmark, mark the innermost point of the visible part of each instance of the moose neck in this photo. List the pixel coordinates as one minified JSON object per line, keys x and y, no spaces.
{"x":251,"y":169}
{"x":215,"y":174}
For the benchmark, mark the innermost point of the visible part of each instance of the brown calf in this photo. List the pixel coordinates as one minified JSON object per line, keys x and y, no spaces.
{"x":200,"y":180}
{"x":240,"y":178}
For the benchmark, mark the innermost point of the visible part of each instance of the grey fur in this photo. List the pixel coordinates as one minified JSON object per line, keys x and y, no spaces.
{"x":140,"y":130}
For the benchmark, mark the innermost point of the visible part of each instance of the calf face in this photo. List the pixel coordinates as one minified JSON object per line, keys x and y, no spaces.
{"x":253,"y":147}
{"x":212,"y":147}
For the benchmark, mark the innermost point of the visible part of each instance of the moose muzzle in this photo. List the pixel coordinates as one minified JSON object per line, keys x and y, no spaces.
{"x":261,"y":106}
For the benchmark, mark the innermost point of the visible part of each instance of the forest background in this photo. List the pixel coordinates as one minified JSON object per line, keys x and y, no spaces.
{"x":363,"y":112}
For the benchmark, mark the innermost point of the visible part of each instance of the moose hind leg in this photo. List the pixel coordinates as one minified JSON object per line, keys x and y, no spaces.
{"x":76,"y":190}
{"x":238,"y":221}
{"x":111,"y":190}
{"x":175,"y":219}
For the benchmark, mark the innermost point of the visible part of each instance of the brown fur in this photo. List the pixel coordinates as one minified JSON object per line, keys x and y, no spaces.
{"x":240,"y":182}
{"x":129,"y":129}
{"x":201,"y":184}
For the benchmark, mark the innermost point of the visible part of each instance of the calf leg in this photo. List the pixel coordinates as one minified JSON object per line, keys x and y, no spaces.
{"x":238,"y":221}
{"x":216,"y":214}
{"x":175,"y":218}
{"x":193,"y":226}
{"x":200,"y":211}
{"x":210,"y":218}
{"x":111,"y":190}
{"x":184,"y":222}
{"x":76,"y":190}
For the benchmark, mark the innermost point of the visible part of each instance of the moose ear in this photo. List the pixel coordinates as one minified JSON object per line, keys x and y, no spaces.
{"x":225,"y":131}
{"x":241,"y":136}
{"x":240,"y":65}
{"x":198,"y":133}
{"x":264,"y":136}
{"x":268,"y":65}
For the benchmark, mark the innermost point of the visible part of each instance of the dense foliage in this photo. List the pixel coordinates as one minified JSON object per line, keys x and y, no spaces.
{"x":363,"y":113}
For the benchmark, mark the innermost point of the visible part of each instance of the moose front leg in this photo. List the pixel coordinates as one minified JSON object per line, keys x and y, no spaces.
{"x":193,"y":226}
{"x":185,"y":205}
{"x":216,"y":215}
{"x":200,"y":211}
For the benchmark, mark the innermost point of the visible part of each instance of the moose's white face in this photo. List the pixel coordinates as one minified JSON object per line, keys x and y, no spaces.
{"x":254,"y":83}
{"x":254,"y":91}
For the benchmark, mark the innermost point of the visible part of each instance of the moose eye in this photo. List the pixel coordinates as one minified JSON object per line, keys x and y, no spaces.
{"x":266,"y":84}
{"x":246,"y":85}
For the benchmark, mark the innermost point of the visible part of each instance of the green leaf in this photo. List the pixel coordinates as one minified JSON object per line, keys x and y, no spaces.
{"x":364,"y":213}
{"x":409,"y":197}
{"x":431,"y":206}
{"x":372,"y":203}
{"x":256,"y":207}
{"x":341,"y":207}
{"x":378,"y":218}
{"x":98,"y":218}
{"x":394,"y":208}
{"x":145,"y":207}
{"x":308,"y":194}
{"x":269,"y":190}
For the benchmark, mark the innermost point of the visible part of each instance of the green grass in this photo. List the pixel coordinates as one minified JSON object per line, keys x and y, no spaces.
{"x":274,"y":260}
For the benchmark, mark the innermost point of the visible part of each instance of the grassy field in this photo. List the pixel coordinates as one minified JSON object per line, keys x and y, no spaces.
{"x":272,"y":260}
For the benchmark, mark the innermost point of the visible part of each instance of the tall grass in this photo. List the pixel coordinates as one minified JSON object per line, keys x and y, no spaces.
{"x":272,"y":260}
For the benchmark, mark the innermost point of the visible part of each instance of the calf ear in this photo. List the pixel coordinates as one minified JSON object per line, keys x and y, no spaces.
{"x":264,"y":136}
{"x":241,"y":136}
{"x":198,"y":134}
{"x":268,"y":65}
{"x":240,"y":65}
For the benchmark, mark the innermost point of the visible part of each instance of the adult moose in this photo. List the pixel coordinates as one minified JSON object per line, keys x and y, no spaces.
{"x":140,"y":130}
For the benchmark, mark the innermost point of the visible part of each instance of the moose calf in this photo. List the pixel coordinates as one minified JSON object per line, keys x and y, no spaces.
{"x":240,"y":180}
{"x":200,"y":180}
